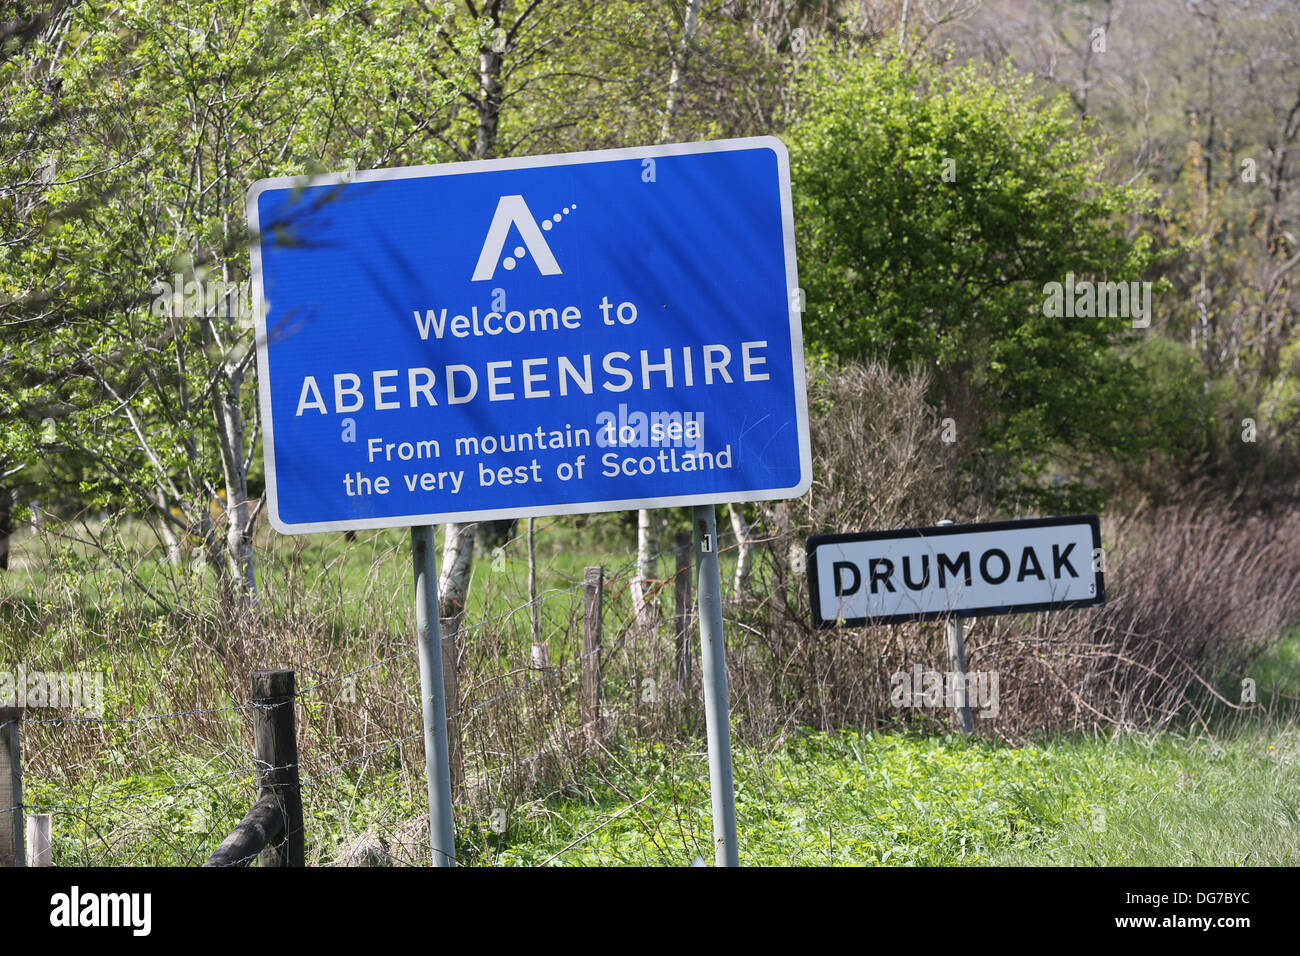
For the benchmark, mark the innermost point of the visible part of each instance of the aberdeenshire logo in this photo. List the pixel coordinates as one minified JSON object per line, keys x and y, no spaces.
{"x":513,"y":211}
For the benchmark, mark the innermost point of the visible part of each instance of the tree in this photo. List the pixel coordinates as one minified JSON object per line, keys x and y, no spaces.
{"x":125,"y":281}
{"x":511,"y":51}
{"x":551,"y":76}
{"x":933,"y":209}
{"x":1201,"y":100}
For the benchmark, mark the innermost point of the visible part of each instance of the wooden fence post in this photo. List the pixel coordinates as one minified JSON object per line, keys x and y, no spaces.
{"x":780,"y":563}
{"x":451,"y":694}
{"x":40,"y":839}
{"x":682,"y":610}
{"x":13,"y":850}
{"x":593,"y":598}
{"x":275,"y":754}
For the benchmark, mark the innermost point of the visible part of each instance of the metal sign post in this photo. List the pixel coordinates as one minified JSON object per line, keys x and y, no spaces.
{"x":713,"y":673}
{"x":956,"y":644}
{"x":437,"y":764}
{"x":957,"y":664}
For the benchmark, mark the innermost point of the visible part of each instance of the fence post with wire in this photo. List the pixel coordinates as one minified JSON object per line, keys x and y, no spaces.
{"x":12,"y":838}
{"x":451,"y":692}
{"x":273,"y":829}
{"x":593,"y":605}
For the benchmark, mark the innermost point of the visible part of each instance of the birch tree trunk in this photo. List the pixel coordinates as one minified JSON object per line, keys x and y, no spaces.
{"x":489,"y":102}
{"x":680,"y":55}
{"x":215,"y":553}
{"x":744,"y":552}
{"x":645,"y":572}
{"x":645,"y":537}
{"x":234,"y":469}
{"x":239,"y":530}
{"x":453,"y":578}
{"x":168,"y":535}
{"x":458,"y":539}
{"x":231,"y":332}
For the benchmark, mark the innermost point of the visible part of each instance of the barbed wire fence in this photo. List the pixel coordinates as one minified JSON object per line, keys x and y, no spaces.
{"x":519,"y":727}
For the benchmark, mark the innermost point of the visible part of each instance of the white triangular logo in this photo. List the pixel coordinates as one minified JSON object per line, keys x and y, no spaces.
{"x":513,"y":211}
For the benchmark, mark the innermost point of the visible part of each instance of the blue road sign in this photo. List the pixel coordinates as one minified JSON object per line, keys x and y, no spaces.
{"x":545,"y":335}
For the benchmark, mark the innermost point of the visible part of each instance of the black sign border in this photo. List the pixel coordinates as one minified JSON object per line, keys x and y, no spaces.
{"x":815,"y":541}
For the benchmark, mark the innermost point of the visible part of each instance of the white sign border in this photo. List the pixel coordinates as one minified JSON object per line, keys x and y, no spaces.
{"x":529,"y":162}
{"x":818,"y":540}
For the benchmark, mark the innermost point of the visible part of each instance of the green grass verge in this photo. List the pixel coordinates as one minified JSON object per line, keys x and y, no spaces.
{"x":819,"y":798}
{"x":848,"y":798}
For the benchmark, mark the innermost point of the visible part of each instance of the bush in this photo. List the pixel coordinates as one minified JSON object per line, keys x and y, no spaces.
{"x":932,"y":208}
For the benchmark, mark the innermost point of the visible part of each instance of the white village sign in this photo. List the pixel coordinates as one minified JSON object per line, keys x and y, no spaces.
{"x":1003,"y":567}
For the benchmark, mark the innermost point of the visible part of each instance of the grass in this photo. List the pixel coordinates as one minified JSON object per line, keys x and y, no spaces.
{"x":868,"y":799}
{"x":843,"y":798}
